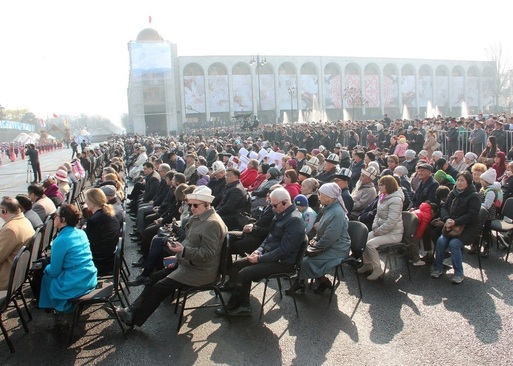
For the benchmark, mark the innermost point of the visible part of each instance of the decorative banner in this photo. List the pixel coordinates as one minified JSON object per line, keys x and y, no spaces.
{"x":352,"y":81}
{"x":408,"y":90}
{"x":391,"y":90}
{"x":372,"y":91}
{"x":308,"y":87}
{"x":241,"y":86}
{"x":267,"y":94}
{"x":441,"y":91}
{"x":218,"y":88}
{"x":425,"y":90}
{"x":194,"y":94}
{"x":332,"y":91}
{"x":286,"y":81}
{"x":472,"y":89}
{"x":457,"y":91}
{"x":11,"y":125}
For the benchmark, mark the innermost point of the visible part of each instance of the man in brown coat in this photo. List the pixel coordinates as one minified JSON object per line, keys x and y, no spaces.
{"x":196,"y":263}
{"x":16,"y":232}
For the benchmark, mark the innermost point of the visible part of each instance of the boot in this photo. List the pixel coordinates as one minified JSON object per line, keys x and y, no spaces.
{"x":298,"y":285}
{"x":324,"y":284}
{"x":62,"y":321}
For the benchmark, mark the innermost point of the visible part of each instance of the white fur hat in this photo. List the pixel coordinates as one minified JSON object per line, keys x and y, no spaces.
{"x":201,"y":193}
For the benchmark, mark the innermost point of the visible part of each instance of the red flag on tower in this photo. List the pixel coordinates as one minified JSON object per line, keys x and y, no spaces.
{"x":149,"y":18}
{"x":55,"y":116}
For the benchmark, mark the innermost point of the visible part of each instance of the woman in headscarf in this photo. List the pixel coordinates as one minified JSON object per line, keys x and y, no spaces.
{"x":332,"y":234}
{"x":309,"y":188}
{"x":444,"y":179}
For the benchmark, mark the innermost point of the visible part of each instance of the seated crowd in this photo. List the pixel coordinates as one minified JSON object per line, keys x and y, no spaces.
{"x":189,"y":193}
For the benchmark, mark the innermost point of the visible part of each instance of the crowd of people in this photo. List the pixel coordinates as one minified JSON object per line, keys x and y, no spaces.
{"x":268,"y":190}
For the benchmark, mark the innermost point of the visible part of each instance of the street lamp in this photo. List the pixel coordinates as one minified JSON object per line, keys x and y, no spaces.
{"x":292,"y":91}
{"x":259,"y":61}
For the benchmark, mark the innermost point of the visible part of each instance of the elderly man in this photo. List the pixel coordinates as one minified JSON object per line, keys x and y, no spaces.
{"x":190,"y":167}
{"x":365,"y":193}
{"x":42,"y":205}
{"x":330,"y":168}
{"x":343,"y":179}
{"x":457,"y":161}
{"x":113,"y":200}
{"x":196,"y":259}
{"x":233,"y":201}
{"x":138,"y":164}
{"x":16,"y":232}
{"x":276,"y":254}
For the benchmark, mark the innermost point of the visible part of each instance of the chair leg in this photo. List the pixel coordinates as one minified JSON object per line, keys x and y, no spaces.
{"x":509,"y":247}
{"x":263,"y":300}
{"x":387,"y":260}
{"x":293,"y":296}
{"x":29,"y":314}
{"x":479,"y":246}
{"x":178,"y":300}
{"x":180,"y":319}
{"x":218,"y":294}
{"x":358,"y":279}
{"x":407,"y":265}
{"x":279,"y":287}
{"x":336,"y":282}
{"x":6,"y":335}
{"x":22,"y":318}
{"x":76,"y":316}
{"x":117,"y":318}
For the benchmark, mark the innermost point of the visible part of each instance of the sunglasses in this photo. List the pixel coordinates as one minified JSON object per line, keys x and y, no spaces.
{"x":195,"y":205}
{"x":282,"y":203}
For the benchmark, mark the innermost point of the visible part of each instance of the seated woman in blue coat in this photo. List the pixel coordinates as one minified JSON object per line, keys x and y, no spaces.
{"x":71,"y":272}
{"x":332,"y":234}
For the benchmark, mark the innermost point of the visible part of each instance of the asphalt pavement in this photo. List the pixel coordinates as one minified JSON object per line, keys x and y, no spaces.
{"x":398,"y":321}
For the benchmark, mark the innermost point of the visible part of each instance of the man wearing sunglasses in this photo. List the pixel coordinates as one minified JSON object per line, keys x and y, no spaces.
{"x":196,"y":259}
{"x":276,"y":254}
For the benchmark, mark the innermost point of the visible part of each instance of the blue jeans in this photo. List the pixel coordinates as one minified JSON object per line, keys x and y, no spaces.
{"x":455,"y":246}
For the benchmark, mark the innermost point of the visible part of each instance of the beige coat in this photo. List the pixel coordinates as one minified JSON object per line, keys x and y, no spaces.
{"x":16,"y":232}
{"x":199,"y":263}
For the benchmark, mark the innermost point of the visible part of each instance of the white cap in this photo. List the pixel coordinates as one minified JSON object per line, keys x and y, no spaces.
{"x":201,"y":193}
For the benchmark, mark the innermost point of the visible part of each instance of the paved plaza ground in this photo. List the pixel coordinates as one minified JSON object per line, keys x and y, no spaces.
{"x":398,"y":322}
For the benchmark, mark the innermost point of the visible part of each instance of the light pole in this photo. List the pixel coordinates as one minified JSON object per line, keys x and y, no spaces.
{"x":259,"y":61}
{"x":292,"y":91}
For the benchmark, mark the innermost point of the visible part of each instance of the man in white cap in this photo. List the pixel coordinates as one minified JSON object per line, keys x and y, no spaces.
{"x":196,"y":259}
{"x":331,"y":164}
{"x":217,"y":181}
{"x":365,"y":193}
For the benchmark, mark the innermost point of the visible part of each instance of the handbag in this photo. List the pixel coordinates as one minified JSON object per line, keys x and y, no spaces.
{"x":454,"y":231}
{"x":312,"y":251}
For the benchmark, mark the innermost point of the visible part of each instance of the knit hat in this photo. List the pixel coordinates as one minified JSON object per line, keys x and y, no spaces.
{"x":401,"y":170}
{"x":109,"y":190}
{"x":301,"y":200}
{"x":275,"y":173}
{"x":292,"y":163}
{"x":471,"y":156}
{"x":202,"y":170}
{"x":410,"y":154}
{"x":437,"y":154}
{"x":490,"y":176}
{"x":201,"y":193}
{"x":218,"y":167}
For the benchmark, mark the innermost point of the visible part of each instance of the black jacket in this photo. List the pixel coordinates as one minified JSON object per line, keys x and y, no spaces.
{"x":233,"y":202}
{"x":103,"y":234}
{"x":425,"y":192}
{"x":463,"y":208}
{"x":151,"y":186}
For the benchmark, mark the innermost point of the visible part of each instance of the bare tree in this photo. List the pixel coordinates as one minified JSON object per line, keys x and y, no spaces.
{"x":354,"y":98}
{"x":502,"y":73}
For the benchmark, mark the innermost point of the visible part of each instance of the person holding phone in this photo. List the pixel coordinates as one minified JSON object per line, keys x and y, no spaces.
{"x":197,"y":259}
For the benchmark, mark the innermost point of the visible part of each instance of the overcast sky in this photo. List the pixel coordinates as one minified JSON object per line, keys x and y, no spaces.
{"x":68,"y":57}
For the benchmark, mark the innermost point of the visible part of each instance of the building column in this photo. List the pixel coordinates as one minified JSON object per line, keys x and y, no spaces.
{"x":207,"y":95}
{"x":382,"y":91}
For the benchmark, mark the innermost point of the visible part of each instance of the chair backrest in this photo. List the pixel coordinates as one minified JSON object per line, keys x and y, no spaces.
{"x":483,"y":215}
{"x":507,"y":210}
{"x":18,"y":274}
{"x":35,"y":245}
{"x":225,"y":259}
{"x":117,"y":265}
{"x":301,"y":253}
{"x":358,"y":233}
{"x":47,"y":232}
{"x":410,"y":223}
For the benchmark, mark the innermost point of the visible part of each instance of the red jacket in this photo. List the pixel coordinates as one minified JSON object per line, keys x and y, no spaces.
{"x":425,"y":216}
{"x":258,"y":181}
{"x":293,"y":188}
{"x":248,"y":177}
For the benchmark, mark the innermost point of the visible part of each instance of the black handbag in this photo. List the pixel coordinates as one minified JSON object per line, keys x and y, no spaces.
{"x":312,"y":251}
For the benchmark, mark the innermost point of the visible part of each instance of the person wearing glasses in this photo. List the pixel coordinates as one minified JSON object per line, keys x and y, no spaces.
{"x":16,"y":232}
{"x":387,"y":226}
{"x":277,"y":254}
{"x":196,"y":259}
{"x":71,"y":272}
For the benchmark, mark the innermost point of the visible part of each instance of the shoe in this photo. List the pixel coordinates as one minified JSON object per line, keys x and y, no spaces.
{"x":472,"y":250}
{"x":139,"y":263}
{"x":139,"y":280}
{"x":365,"y":268}
{"x":125,"y":315}
{"x":428,"y":258}
{"x":323,"y":286}
{"x":419,"y":263}
{"x":62,"y":322}
{"x":486,"y":251}
{"x":240,"y":311}
{"x":227,"y":287}
{"x":436,"y":273}
{"x":298,"y":285}
{"x":135,"y":235}
{"x":376,"y":274}
{"x":457,"y":279}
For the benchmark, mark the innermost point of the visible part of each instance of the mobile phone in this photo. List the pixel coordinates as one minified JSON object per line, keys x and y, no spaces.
{"x":169,"y":261}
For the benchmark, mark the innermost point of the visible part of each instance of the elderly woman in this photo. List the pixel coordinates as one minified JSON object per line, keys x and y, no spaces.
{"x":332,"y":234}
{"x":52,"y":190}
{"x":71,"y":272}
{"x":387,"y":226}
{"x":459,"y":212}
{"x":309,"y":188}
{"x":102,"y":229}
{"x":259,"y":195}
{"x":470,"y":160}
{"x":477,"y":170}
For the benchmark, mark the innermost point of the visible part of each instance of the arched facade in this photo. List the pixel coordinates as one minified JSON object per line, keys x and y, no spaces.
{"x":215,"y":88}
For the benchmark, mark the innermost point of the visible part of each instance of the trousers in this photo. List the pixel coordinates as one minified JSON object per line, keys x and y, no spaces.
{"x":370,"y":254}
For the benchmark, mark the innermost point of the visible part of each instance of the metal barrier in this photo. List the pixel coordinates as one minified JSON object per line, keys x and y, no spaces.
{"x":464,"y":143}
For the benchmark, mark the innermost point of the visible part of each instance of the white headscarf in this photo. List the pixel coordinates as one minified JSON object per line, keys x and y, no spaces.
{"x":332,"y":190}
